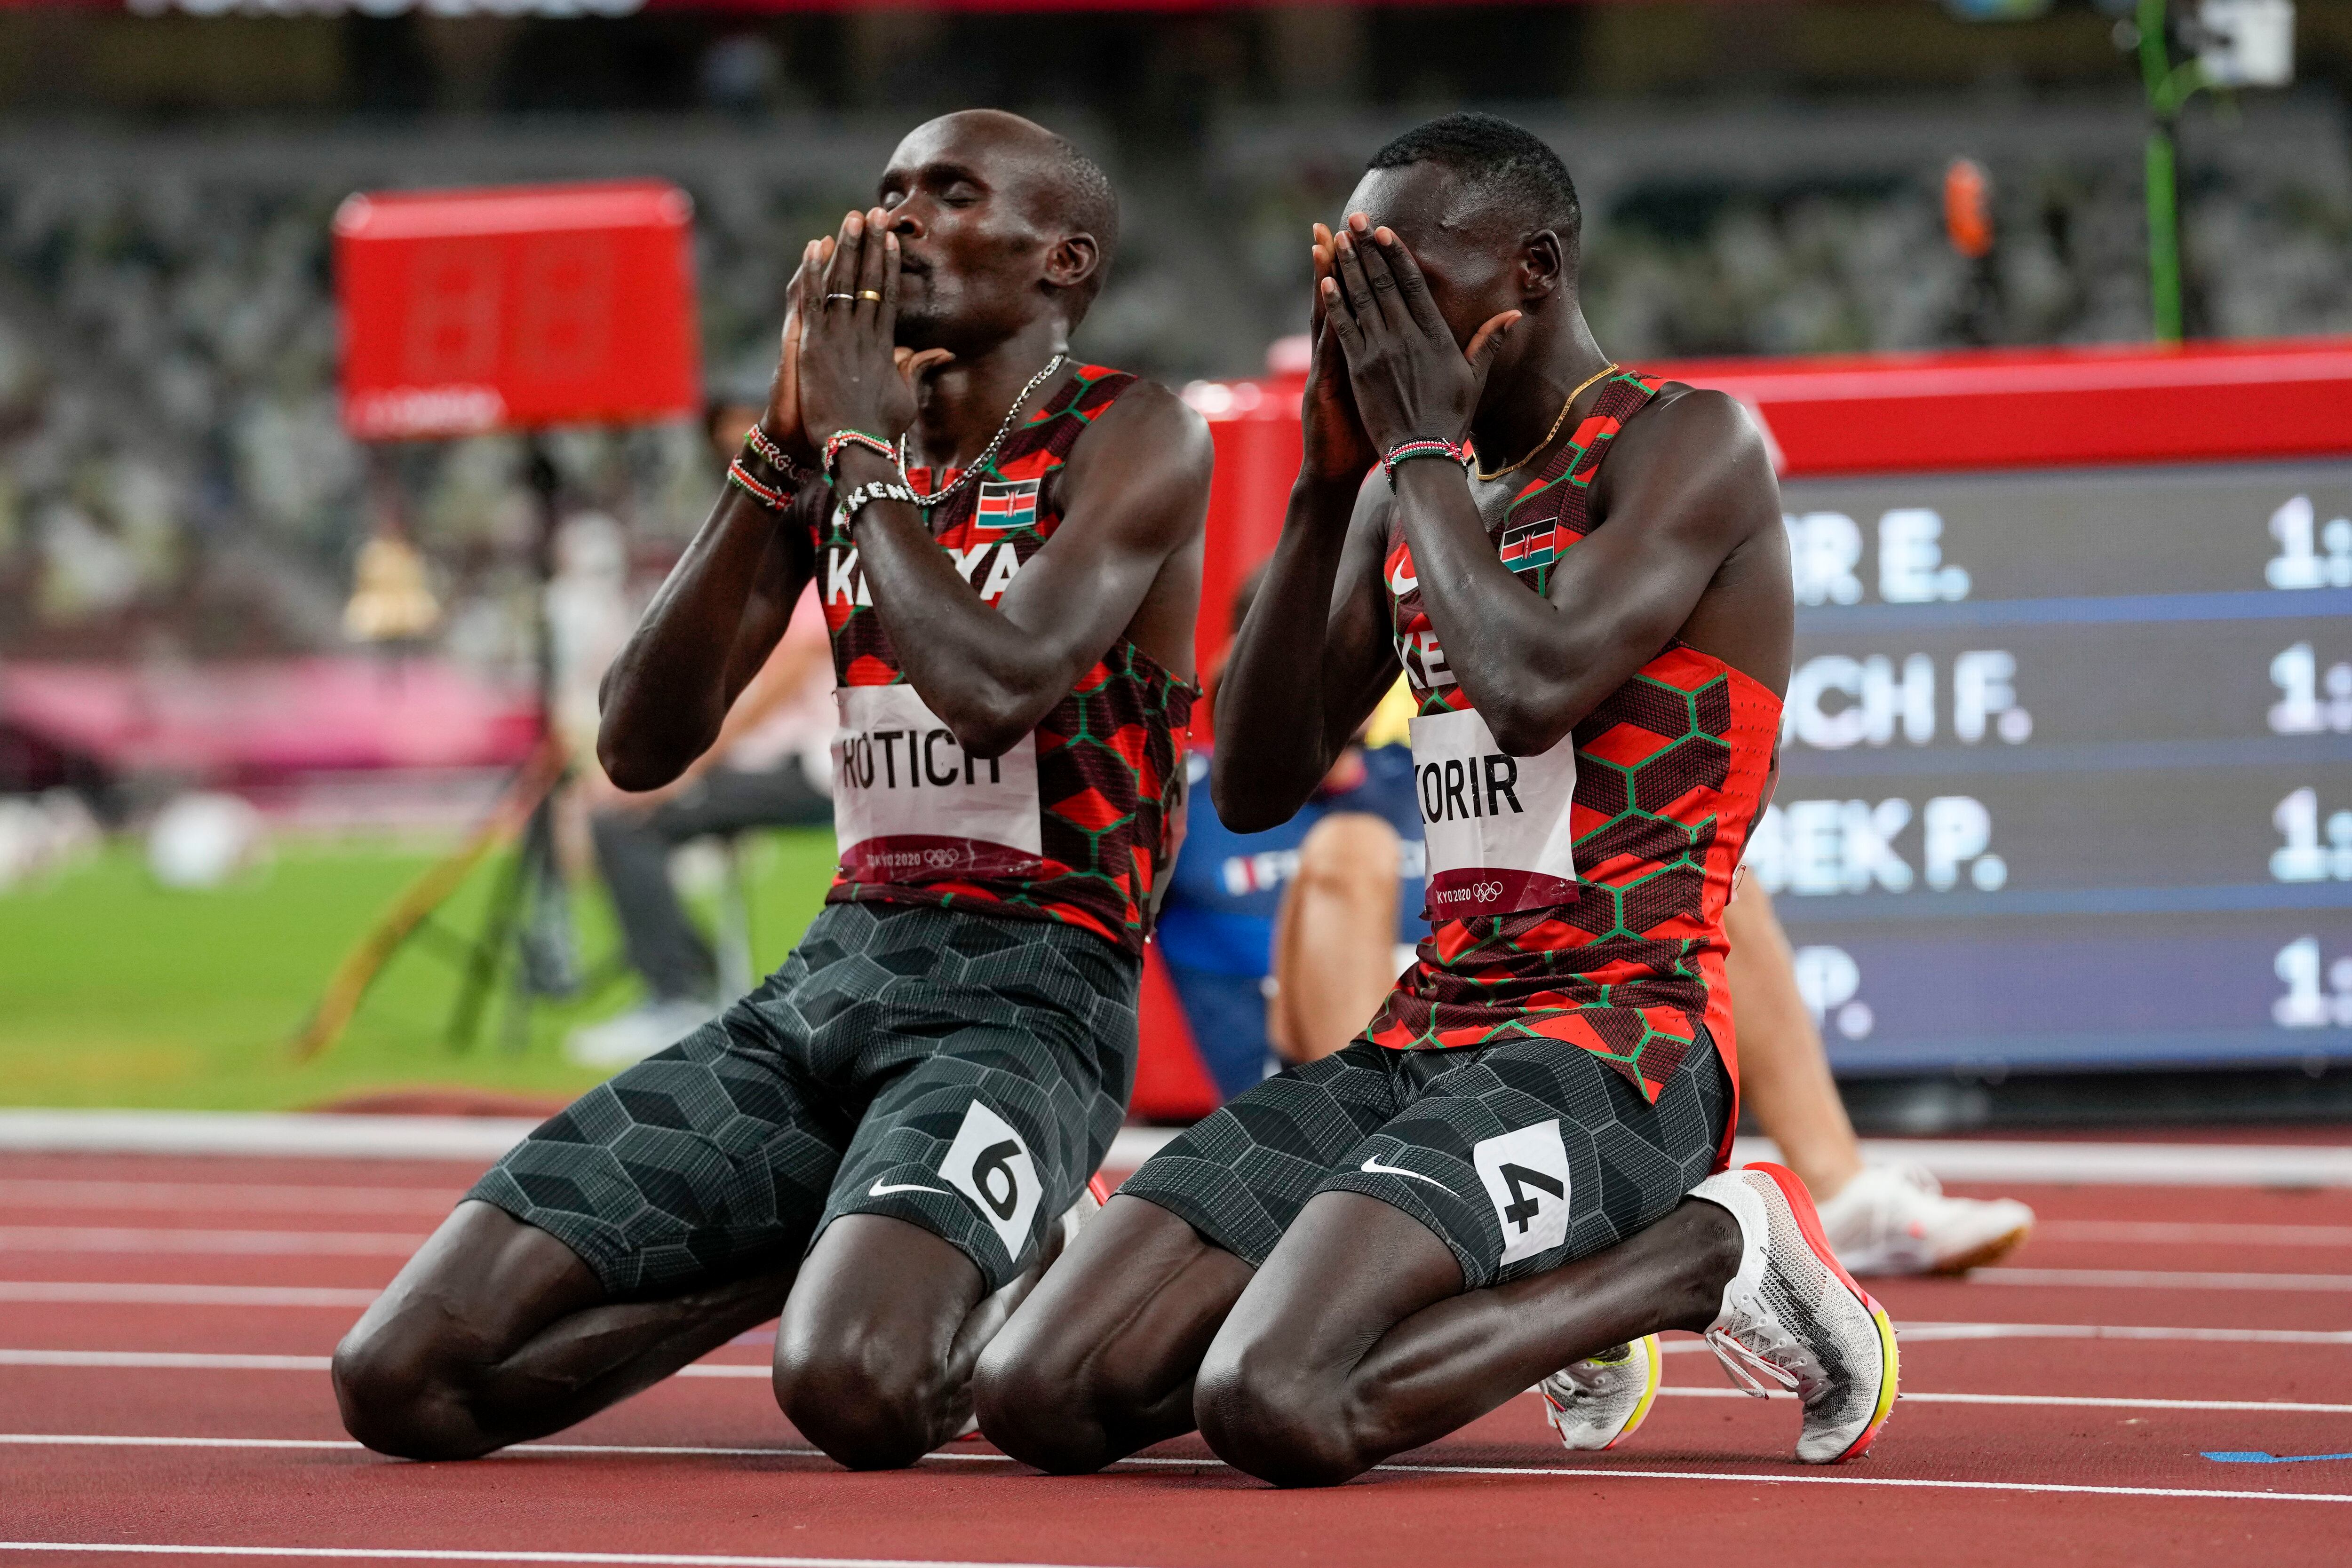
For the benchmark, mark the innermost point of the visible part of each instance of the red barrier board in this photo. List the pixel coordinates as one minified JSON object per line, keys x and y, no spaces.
{"x":516,"y":308}
{"x":1963,"y":412}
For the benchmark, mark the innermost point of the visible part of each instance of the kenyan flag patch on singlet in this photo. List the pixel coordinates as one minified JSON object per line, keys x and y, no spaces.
{"x":1005,"y":505}
{"x":1529,"y":546}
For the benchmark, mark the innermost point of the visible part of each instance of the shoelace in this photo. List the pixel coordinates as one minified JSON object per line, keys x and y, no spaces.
{"x":1741,"y":1364}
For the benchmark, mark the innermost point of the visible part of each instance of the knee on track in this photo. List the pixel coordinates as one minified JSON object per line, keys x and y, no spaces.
{"x":869,"y":1403}
{"x":1044,"y":1409}
{"x":1266,"y":1415}
{"x":403,"y":1393}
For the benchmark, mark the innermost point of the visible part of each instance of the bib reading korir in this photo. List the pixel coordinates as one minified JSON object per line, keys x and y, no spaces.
{"x":1071,"y":824}
{"x":1578,"y":895}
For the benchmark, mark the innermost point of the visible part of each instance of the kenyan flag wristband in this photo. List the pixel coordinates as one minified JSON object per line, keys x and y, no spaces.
{"x":1405,"y":451}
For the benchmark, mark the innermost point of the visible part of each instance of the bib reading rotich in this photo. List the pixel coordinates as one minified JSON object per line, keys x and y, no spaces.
{"x":908,"y":799}
{"x":1496,"y":825}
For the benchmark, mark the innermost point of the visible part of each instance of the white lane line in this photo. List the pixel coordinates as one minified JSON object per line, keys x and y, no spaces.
{"x":1789,"y":1476}
{"x":484,"y":1138}
{"x":2160,"y":1279}
{"x":205,"y":1361}
{"x":289,"y":1243}
{"x":2054,"y":1400}
{"x":164,"y":1360}
{"x":1914,"y":1334}
{"x":102,"y":1292}
{"x":427,"y":1555}
{"x":261,"y":1133}
{"x":1803,"y":1479}
{"x":2103,"y":1165}
{"x":32,"y":1192}
{"x":2190,"y":1233}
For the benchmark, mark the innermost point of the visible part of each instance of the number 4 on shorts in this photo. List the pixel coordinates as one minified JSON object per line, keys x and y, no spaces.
{"x":1525,"y":1174}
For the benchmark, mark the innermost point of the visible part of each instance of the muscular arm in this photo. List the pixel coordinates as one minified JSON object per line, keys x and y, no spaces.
{"x":1134,"y":493}
{"x":1310,"y":661}
{"x":706,"y":634}
{"x":1689,"y":486}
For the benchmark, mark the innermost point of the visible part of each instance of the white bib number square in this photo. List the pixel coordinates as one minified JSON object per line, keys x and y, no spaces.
{"x":910,"y":805}
{"x":990,"y":1164}
{"x":1525,"y":1174}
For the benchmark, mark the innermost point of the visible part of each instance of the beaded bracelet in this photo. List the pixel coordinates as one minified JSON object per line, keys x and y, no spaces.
{"x":865,"y":495}
{"x":768,"y":496}
{"x":756,"y":442}
{"x":840,"y":439}
{"x":1405,"y":451}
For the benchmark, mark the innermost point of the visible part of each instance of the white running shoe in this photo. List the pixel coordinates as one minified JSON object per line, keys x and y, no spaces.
{"x":1595,"y":1404}
{"x":646,"y":1029}
{"x":1894,"y":1220}
{"x":1792,"y":1315}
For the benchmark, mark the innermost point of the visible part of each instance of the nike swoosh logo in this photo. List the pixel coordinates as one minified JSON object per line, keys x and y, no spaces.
{"x":1399,"y":582}
{"x":1371,"y":1163}
{"x":879,"y":1188}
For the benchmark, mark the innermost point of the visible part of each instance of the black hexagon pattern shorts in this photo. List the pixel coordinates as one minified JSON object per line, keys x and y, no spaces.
{"x":961,"y":1071}
{"x":1520,"y":1157}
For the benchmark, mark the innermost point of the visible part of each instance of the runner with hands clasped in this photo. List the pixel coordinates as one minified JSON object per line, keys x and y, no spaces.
{"x":889,"y":1139}
{"x":1487,"y":1188}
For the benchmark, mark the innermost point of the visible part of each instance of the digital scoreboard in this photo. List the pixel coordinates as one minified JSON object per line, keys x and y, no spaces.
{"x":2067,"y":765}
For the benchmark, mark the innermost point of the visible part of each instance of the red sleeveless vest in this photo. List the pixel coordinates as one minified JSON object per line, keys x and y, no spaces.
{"x":1073,"y":825}
{"x":1622,"y":954}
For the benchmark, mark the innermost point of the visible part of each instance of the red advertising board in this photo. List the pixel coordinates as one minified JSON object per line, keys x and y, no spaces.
{"x":515,"y":307}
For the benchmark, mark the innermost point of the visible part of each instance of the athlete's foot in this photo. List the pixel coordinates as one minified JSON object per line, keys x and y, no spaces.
{"x":1896,"y":1221}
{"x":1596,"y":1403}
{"x":1794,"y":1316}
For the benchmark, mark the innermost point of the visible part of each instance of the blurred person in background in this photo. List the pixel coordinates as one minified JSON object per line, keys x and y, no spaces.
{"x":771,"y":767}
{"x":1306,"y":902}
{"x":1881,"y":1219}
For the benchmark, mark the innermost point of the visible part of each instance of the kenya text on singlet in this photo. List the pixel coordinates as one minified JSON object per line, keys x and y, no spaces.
{"x":1072,"y":824}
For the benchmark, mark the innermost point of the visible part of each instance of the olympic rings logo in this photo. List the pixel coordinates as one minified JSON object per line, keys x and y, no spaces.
{"x":1484,"y":891}
{"x":939,"y":860}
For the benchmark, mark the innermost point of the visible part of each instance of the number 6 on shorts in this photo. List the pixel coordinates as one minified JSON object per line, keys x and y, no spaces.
{"x":1525,"y":1174}
{"x":990,"y":1164}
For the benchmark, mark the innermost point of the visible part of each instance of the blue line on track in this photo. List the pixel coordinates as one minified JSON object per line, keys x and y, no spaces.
{"x":2257,"y":1456}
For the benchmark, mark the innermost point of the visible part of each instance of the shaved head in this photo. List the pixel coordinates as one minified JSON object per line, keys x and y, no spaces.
{"x":1059,"y":192}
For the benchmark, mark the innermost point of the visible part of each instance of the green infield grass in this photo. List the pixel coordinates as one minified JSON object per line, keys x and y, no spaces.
{"x":117,"y":992}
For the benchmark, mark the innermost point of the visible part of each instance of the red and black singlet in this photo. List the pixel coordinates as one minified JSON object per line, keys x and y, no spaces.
{"x":1073,"y":824}
{"x":1585,"y":899}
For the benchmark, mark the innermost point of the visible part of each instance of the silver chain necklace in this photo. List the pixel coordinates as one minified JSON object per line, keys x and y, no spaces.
{"x":987,"y":453}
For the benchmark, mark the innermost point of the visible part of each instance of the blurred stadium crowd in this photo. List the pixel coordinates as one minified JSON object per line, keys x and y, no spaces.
{"x":174,"y":483}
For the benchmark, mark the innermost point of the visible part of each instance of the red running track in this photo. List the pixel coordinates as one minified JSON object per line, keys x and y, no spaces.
{"x":2013,"y":1440}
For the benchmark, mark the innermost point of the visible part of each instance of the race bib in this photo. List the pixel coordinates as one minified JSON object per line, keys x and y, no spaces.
{"x":910,"y":805}
{"x":1496,"y":825}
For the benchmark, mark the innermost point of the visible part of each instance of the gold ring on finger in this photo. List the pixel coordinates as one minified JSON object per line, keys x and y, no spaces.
{"x":873,"y":294}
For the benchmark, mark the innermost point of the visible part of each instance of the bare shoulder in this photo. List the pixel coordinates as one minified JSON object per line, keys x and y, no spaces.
{"x":1698,"y":452}
{"x":1148,"y":437}
{"x":1686,"y":420}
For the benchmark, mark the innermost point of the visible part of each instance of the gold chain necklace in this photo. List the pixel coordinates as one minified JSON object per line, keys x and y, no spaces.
{"x":1485,"y":478}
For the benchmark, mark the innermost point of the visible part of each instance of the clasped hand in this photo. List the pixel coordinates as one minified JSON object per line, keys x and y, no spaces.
{"x":1409,"y":380}
{"x":843,"y":368}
